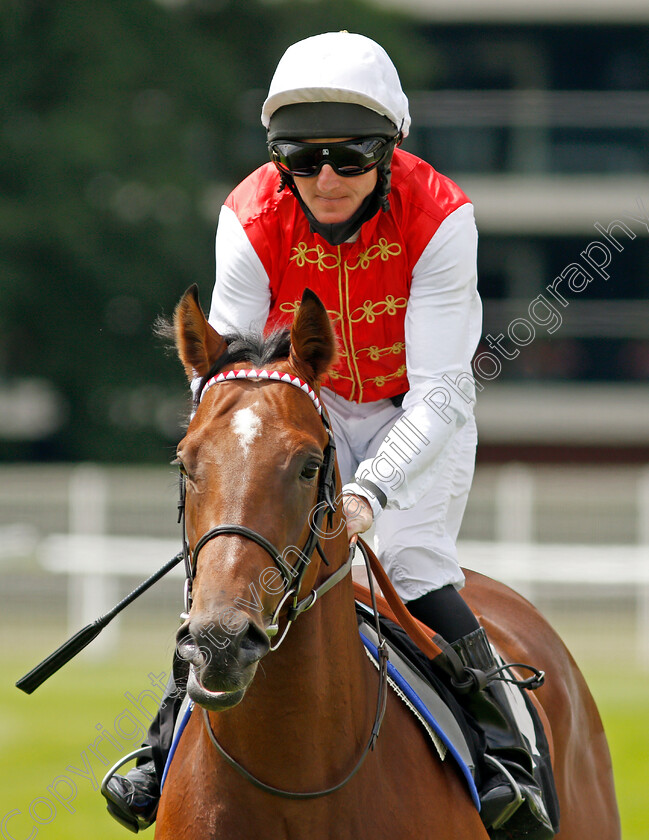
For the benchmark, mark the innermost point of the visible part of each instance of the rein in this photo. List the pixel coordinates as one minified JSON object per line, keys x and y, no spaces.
{"x":381,"y":703}
{"x":292,"y":576}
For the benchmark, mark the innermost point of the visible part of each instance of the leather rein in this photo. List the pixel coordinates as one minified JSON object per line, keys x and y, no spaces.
{"x":291,"y":575}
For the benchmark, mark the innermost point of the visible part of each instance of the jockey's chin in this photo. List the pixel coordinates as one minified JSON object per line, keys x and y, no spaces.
{"x":333,"y":199}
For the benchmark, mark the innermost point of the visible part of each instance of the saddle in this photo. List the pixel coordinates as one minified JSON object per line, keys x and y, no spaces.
{"x":418,"y":673}
{"x":425,"y":696}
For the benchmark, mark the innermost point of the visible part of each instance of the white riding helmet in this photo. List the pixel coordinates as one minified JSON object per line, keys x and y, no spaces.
{"x":338,"y":67}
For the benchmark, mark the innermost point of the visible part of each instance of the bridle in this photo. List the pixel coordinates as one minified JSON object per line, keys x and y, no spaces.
{"x":292,"y":576}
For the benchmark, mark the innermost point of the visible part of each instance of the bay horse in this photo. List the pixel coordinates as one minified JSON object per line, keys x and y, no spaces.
{"x":298,"y":718}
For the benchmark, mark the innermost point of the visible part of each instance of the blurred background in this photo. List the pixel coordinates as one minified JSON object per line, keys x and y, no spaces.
{"x":123,"y":126}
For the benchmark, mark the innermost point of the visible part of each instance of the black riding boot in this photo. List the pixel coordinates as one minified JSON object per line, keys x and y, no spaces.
{"x":133,"y":799}
{"x":511,"y":797}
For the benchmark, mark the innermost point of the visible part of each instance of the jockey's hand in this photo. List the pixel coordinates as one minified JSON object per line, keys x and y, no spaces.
{"x":358,"y":514}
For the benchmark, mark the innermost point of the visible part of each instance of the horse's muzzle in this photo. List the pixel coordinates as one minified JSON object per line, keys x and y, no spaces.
{"x":224,"y":652}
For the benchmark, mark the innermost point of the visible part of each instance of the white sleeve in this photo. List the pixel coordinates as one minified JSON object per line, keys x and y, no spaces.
{"x":241,"y":297}
{"x":442,"y":329}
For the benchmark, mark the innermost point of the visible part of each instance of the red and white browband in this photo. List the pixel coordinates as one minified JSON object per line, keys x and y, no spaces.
{"x":274,"y":375}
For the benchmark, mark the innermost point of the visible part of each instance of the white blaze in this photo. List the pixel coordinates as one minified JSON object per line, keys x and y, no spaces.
{"x":246,"y":426}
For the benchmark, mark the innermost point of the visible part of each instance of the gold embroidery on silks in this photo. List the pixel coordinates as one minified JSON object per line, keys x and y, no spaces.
{"x":334,"y":374}
{"x":314,"y":256}
{"x":317,"y":255}
{"x":375,"y":352}
{"x":302,"y":255}
{"x":380,"y":381}
{"x":292,"y":308}
{"x":370,"y":309}
{"x":348,"y":340}
{"x":382,"y":249}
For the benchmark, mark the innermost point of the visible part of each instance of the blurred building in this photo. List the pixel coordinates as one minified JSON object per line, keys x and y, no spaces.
{"x":541,"y":114}
{"x":116,"y":157}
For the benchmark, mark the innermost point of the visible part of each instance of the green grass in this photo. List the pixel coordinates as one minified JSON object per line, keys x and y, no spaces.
{"x":63,"y":725}
{"x":622,"y":696}
{"x":46,"y":733}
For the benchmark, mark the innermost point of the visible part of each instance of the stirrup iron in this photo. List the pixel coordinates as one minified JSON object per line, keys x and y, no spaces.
{"x":518,"y":799}
{"x":139,"y":753}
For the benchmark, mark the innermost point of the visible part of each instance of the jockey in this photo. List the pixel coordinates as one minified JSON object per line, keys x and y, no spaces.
{"x":389,"y":245}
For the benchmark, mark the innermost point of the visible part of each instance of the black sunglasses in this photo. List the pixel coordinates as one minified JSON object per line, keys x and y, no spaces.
{"x":347,"y":157}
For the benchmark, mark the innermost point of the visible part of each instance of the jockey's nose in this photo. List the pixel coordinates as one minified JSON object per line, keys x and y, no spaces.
{"x":328,"y":177}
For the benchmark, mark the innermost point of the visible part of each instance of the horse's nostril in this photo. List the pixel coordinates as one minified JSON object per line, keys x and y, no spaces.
{"x":254,"y":643}
{"x":187,"y":648}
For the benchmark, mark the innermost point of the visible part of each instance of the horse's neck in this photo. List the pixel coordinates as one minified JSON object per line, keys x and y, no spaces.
{"x":318,"y":684}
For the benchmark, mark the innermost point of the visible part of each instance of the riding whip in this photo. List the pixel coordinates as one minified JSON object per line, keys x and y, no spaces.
{"x":75,"y":644}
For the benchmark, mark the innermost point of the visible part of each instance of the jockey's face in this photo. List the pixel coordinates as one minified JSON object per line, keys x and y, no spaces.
{"x":332,"y":198}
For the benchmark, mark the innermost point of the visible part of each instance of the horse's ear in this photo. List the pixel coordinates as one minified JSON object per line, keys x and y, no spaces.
{"x":313,"y":344}
{"x":198,"y":344}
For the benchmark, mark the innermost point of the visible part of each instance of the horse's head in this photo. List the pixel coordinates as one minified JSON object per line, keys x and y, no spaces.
{"x":254,"y":462}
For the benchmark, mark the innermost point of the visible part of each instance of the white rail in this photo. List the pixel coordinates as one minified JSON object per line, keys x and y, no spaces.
{"x":511,"y":505}
{"x":95,"y":562}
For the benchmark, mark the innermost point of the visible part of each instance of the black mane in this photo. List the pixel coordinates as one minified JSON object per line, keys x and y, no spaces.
{"x":251,"y":347}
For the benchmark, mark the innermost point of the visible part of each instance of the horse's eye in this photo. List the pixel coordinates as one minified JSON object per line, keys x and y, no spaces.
{"x":310,"y":471}
{"x":178,"y":463}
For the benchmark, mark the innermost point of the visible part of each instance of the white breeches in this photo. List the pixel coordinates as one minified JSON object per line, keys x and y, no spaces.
{"x":417,"y":547}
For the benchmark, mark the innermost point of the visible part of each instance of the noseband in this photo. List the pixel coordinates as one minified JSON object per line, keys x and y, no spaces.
{"x":292,"y":576}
